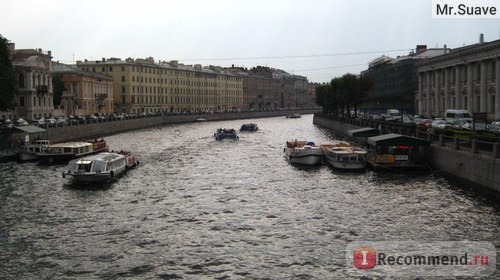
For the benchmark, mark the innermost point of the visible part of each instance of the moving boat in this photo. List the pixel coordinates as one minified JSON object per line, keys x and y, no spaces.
{"x":344,"y":156}
{"x":303,"y":152}
{"x":249,"y":127}
{"x":30,"y":151}
{"x":101,"y":167}
{"x":64,"y":152}
{"x":225,"y":133}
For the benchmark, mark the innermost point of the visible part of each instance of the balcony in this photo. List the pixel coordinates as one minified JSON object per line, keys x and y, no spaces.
{"x":42,"y":90}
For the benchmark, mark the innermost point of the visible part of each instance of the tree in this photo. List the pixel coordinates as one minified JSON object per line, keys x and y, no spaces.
{"x":59,"y":88}
{"x":7,"y":78}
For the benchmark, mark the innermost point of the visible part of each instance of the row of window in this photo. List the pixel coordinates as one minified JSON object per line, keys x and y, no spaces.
{"x":182,"y":82}
{"x":159,"y":90}
{"x":462,"y":71}
{"x":476,"y":103}
{"x":37,"y":79}
{"x":181,"y":100}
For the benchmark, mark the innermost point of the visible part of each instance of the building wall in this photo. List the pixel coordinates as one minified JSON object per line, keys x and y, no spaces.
{"x":87,"y":94}
{"x":142,"y":86}
{"x":394,"y":86}
{"x":34,"y":96}
{"x":466,"y":78}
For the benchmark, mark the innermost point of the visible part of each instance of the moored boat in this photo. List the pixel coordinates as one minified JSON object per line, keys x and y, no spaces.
{"x":249,"y":127}
{"x":225,"y":133}
{"x":29,"y":151}
{"x":345,"y":157}
{"x":64,"y":152}
{"x":303,"y":152}
{"x":100,"y":167}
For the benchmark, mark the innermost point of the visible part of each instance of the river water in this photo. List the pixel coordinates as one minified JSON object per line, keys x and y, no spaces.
{"x":197,"y":208}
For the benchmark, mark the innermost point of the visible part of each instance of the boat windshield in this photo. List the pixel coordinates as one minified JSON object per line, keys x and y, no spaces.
{"x":85,"y":167}
{"x":99,"y":166}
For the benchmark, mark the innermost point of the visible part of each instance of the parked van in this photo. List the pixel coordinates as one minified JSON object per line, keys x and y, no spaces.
{"x":456,"y":114}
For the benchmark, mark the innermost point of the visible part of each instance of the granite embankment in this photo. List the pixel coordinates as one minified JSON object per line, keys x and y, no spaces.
{"x":470,"y":169}
{"x":66,"y":133}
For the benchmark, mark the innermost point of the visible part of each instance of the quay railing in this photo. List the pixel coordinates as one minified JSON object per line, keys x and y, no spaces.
{"x":435,"y":137}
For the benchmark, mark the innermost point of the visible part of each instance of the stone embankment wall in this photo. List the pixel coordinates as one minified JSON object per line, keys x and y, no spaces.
{"x":88,"y":131}
{"x":472,"y":169}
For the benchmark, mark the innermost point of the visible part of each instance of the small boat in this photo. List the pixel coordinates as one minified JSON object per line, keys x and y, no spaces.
{"x":345,"y":157}
{"x":101,"y":167}
{"x":225,"y":133}
{"x":249,"y":127}
{"x":303,"y":152}
{"x":64,"y":152}
{"x":200,"y":120}
{"x":29,"y":151}
{"x":294,"y":116}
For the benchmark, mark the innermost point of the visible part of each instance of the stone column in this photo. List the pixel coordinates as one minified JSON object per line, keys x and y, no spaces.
{"x":446,"y":89}
{"x":420,"y":102}
{"x":458,"y":92}
{"x":470,"y":96}
{"x":437,"y":95}
{"x":497,"y":89}
{"x":483,"y":92}
{"x":428,"y":95}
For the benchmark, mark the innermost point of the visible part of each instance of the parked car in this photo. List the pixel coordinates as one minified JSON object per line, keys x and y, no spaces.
{"x":41,"y":121}
{"x":468,"y":126}
{"x":21,"y":122}
{"x":458,"y":124}
{"x":494,"y":128}
{"x":51,"y":122}
{"x":61,"y":121}
{"x":425,"y":122}
{"x":441,"y":124}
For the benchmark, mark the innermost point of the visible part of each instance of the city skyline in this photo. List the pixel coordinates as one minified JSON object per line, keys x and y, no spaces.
{"x":319,"y":40}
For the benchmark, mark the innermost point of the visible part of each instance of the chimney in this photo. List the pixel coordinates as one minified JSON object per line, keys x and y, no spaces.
{"x":103,"y":59}
{"x":481,"y":38}
{"x":444,"y":49}
{"x":421,"y":48}
{"x":40,"y":50}
{"x":50,"y":54}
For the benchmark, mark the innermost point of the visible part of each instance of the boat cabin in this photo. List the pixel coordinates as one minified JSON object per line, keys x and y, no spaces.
{"x":397,"y":151}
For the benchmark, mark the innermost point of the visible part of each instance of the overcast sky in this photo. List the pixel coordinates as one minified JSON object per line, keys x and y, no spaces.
{"x":315,"y":38}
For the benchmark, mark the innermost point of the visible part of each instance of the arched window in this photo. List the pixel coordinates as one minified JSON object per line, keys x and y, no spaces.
{"x":21,"y":80}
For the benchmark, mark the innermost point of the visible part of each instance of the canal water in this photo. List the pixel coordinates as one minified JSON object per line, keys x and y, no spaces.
{"x":197,"y":208}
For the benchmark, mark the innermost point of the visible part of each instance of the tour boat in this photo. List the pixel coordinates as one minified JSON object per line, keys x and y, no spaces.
{"x":344,"y":157}
{"x":249,"y":127}
{"x":303,"y":152}
{"x":225,"y":133}
{"x":64,"y":152}
{"x":101,"y":167}
{"x":30,"y":151}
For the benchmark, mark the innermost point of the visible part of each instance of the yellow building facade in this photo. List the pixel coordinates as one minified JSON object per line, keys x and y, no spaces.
{"x":143,"y":86}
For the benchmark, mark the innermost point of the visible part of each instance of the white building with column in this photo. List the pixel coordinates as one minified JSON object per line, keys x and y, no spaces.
{"x":464,"y":78}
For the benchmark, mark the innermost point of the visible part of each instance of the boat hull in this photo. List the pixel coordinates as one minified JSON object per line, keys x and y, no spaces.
{"x":347,"y":166}
{"x":28,"y":156}
{"x":92,"y":177}
{"x":306,"y":157}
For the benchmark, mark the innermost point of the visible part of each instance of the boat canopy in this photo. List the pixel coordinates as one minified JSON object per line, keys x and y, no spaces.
{"x":393,"y":139}
{"x":363,"y":132}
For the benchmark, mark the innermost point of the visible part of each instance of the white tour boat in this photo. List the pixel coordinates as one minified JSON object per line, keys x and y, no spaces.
{"x":100,"y":167}
{"x":303,"y":152}
{"x":30,"y":151}
{"x":344,"y":156}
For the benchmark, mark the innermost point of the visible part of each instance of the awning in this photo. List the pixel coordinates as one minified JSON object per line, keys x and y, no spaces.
{"x":363,"y":132}
{"x":396,"y":140}
{"x":30,"y":129}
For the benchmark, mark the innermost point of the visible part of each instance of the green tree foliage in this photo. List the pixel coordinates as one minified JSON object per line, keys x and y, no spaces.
{"x":344,"y":94}
{"x":7,"y":78}
{"x":59,"y":88}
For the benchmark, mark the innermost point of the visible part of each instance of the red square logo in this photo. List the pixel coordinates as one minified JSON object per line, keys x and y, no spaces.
{"x":365,"y":258}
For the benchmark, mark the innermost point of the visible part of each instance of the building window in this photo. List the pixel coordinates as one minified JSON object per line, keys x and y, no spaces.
{"x":123,"y":78}
{"x":123,"y":68}
{"x":103,"y":69}
{"x":93,"y":69}
{"x":123,"y":99}
{"x":21,"y":101}
{"x":110,"y":69}
{"x":123,"y":89}
{"x":34,"y":101}
{"x":21,"y":81}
